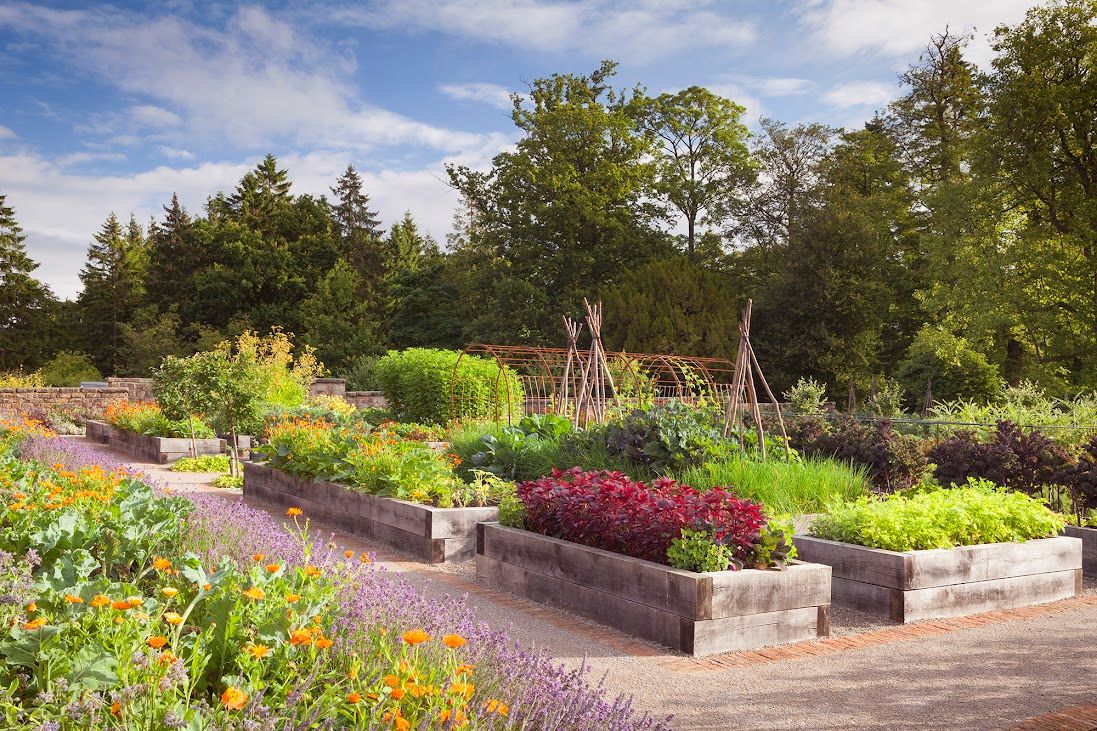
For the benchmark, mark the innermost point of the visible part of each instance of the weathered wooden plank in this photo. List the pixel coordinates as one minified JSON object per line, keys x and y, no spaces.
{"x":1089,"y":547}
{"x":752,"y":592}
{"x":623,"y":614}
{"x":955,"y":600}
{"x":655,"y":585}
{"x":870,"y":598}
{"x":459,"y":522}
{"x":750,"y":631}
{"x":847,"y":561}
{"x":965,"y":564}
{"x":403,"y":525}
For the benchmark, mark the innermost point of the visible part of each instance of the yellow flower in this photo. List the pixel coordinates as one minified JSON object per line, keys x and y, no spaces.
{"x":73,"y":599}
{"x":135,"y":601}
{"x":32,"y":607}
{"x":161,"y":564}
{"x":415,"y":636}
{"x":169,"y":591}
{"x":291,"y":598}
{"x":157,"y":641}
{"x":294,"y":511}
{"x":258,"y":651}
{"x":454,"y":641}
{"x":465,"y":669}
{"x":312,"y":571}
{"x":35,"y":624}
{"x":100,"y":600}
{"x":233,"y":698}
{"x":172,"y":618}
{"x":364,"y":558}
{"x":254,"y":593}
{"x":464,"y":689}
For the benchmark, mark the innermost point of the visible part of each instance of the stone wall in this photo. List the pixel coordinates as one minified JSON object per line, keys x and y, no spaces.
{"x":366,"y":399}
{"x":138,"y":389}
{"x":328,"y":387}
{"x":15,"y":401}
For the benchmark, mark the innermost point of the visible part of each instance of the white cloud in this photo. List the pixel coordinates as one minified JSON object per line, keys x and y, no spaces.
{"x":783,"y":86}
{"x":38,"y":188}
{"x":860,"y":94}
{"x":251,"y":84}
{"x":903,"y":27}
{"x":622,"y":29}
{"x":79,"y":158}
{"x":175,"y":154}
{"x":490,"y":94}
{"x":6,"y":133}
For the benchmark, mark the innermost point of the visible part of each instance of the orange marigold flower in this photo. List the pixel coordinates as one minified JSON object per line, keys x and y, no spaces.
{"x":100,"y":600}
{"x":169,"y":591}
{"x":324,"y":643}
{"x":300,"y":637}
{"x":258,"y":557}
{"x":354,"y":697}
{"x":233,"y":698}
{"x":135,"y":601}
{"x":364,"y":558}
{"x":294,"y":511}
{"x":73,"y":599}
{"x":464,"y":689}
{"x":173,"y":618}
{"x":348,"y":554}
{"x":465,"y":669}
{"x":397,"y":693}
{"x":32,"y":607}
{"x":157,"y":641}
{"x":122,"y":606}
{"x":35,"y":624}
{"x":258,"y":651}
{"x":458,"y":717}
{"x":116,"y":709}
{"x":207,"y":586}
{"x":254,"y":593}
{"x":161,"y":564}
{"x":391,"y":681}
{"x":415,"y":636}
{"x":454,"y":641}
{"x":312,"y":571}
{"x":291,"y":598}
{"x":273,"y":567}
{"x":167,"y":658}
{"x":496,"y":706}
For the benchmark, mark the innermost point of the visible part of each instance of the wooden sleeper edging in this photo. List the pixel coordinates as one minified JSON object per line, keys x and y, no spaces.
{"x":160,"y":450}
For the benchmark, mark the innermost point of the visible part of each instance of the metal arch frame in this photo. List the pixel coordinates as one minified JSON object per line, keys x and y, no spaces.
{"x":667,"y":372}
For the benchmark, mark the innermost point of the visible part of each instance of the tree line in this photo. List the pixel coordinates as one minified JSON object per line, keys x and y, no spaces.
{"x":950,"y":242}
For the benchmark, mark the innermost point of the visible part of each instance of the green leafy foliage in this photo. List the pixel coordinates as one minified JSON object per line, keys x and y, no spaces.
{"x":979,"y":512}
{"x":69,"y":369}
{"x":667,"y":437}
{"x":428,"y":385}
{"x":202,"y":463}
{"x":697,"y":550}
{"x":807,"y":396}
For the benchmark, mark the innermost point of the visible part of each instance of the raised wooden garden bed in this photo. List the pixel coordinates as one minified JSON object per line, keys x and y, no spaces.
{"x":915,"y":585}
{"x":435,"y":535}
{"x":698,"y":614}
{"x":1089,"y":547}
{"x":150,"y":448}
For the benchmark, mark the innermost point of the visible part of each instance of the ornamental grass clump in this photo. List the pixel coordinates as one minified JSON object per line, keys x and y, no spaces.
{"x":977,"y":513}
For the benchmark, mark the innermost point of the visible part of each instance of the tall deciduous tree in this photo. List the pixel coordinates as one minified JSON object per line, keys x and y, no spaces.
{"x":24,"y":301}
{"x":703,"y":161}
{"x":574,"y":204}
{"x":113,"y":279}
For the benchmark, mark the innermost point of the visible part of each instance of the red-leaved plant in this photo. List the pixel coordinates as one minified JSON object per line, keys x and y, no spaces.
{"x":610,"y":511}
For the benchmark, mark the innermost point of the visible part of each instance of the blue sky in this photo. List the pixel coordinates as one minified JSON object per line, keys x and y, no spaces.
{"x":114,"y":107}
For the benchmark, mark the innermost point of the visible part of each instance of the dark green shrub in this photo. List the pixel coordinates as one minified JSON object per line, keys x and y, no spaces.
{"x":361,"y":374}
{"x":421,"y":384}
{"x":894,"y":461}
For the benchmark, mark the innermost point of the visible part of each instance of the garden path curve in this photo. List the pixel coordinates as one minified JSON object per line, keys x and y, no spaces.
{"x":985,"y":672}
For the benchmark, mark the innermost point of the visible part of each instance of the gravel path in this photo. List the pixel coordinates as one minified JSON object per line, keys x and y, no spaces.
{"x":980,"y":678}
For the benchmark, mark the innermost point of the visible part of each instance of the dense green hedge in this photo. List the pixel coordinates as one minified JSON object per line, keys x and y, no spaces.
{"x":419,"y":386}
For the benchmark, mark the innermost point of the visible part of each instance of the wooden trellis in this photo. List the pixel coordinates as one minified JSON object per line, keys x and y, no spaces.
{"x":744,"y":393}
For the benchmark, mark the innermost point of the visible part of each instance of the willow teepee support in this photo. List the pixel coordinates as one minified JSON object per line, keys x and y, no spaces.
{"x":593,"y":391}
{"x":573,"y":328}
{"x":743,"y":389}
